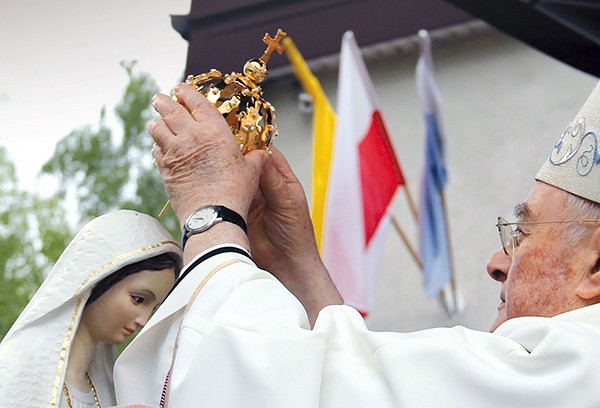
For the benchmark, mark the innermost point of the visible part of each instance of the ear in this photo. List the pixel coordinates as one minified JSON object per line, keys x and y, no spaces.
{"x":589,"y":287}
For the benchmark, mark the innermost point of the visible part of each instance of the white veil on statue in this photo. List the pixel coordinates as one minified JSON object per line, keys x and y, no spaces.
{"x":34,"y":353}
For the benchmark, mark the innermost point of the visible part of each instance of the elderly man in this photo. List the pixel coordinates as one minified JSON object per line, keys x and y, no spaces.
{"x":231,"y":334}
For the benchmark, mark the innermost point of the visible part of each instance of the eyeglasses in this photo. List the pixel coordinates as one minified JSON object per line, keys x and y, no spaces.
{"x":511,"y":239}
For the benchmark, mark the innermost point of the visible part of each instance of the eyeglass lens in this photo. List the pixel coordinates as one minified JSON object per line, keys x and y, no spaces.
{"x":507,"y":236}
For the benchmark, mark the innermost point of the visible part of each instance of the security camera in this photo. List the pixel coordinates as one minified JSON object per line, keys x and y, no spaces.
{"x":305,"y":102}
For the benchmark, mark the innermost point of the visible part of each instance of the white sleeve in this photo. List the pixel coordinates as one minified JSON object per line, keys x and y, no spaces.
{"x":246,"y":342}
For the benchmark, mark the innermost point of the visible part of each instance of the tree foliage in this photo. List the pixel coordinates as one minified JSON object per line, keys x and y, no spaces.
{"x":97,"y":170}
{"x":105,"y":172}
{"x":33,"y":232}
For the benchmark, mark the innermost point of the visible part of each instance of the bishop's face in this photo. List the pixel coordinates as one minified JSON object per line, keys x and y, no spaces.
{"x":545,"y":273}
{"x":126,"y":306}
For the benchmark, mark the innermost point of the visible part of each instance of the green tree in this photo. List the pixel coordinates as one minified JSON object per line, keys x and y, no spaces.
{"x":33,"y":233}
{"x":104,"y":172}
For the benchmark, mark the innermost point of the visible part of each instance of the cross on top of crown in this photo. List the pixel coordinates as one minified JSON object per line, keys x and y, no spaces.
{"x":273,"y":44}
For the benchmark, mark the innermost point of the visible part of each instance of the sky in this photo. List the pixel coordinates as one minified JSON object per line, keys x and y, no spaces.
{"x":60,"y":64}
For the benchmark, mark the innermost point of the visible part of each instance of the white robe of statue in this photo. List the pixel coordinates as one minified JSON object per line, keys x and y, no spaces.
{"x":34,"y":353}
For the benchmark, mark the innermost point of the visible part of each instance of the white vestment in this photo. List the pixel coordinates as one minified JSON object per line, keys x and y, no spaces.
{"x":34,"y":353}
{"x":245,"y":342}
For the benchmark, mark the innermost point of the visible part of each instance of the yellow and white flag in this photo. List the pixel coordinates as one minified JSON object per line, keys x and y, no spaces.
{"x":323,"y":133}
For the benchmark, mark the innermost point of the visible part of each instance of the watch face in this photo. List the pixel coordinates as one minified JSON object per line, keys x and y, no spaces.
{"x":202,"y":219}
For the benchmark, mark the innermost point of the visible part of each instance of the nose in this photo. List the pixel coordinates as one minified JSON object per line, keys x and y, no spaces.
{"x":142,"y":318}
{"x":497,"y":266}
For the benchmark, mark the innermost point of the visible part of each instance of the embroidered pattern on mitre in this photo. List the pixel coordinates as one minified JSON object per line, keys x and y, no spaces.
{"x":574,"y":163}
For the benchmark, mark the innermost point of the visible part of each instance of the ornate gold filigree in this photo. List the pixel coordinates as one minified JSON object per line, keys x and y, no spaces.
{"x":240,"y":100}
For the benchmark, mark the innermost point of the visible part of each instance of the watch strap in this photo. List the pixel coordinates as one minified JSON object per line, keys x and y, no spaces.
{"x":223,"y":214}
{"x":229,"y":215}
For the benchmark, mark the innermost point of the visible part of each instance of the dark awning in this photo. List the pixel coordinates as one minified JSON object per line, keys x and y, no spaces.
{"x":568,"y":30}
{"x":224,"y":34}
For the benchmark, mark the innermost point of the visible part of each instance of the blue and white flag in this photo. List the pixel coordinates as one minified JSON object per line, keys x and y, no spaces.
{"x":433,"y":230}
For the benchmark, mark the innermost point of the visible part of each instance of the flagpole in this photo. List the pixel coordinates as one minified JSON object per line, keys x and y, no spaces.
{"x":418,"y":261}
{"x":450,"y":252}
{"x":411,"y":203}
{"x":409,"y":246}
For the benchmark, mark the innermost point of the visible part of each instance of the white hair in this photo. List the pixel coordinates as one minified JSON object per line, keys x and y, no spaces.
{"x":578,"y":208}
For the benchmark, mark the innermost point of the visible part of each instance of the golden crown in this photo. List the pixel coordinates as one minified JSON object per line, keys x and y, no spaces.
{"x":240,"y":100}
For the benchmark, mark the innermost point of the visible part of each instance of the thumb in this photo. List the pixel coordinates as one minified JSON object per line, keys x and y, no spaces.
{"x":273,"y":183}
{"x":256,"y":160}
{"x":284,"y":170}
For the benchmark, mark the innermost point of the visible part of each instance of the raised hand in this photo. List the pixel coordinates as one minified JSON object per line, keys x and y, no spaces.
{"x":282,"y":237}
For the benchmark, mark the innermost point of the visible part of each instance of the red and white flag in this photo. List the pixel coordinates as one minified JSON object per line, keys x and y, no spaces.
{"x":364,"y":177}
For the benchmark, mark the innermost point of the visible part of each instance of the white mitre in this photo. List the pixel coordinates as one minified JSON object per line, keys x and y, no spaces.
{"x":34,"y":353}
{"x":574,"y":163}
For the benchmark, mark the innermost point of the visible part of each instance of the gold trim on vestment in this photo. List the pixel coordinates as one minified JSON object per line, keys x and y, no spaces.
{"x":164,"y":401}
{"x":61,"y":361}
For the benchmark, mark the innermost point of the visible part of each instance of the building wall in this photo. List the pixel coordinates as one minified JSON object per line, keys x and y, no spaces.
{"x":505,"y":106}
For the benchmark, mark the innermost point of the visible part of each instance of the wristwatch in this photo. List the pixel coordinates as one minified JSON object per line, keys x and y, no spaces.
{"x":206,"y":216}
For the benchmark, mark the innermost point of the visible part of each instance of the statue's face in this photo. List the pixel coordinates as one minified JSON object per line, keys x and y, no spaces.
{"x":127,"y":305}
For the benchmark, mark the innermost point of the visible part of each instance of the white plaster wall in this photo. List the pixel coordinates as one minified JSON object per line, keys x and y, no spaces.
{"x":505,"y":106}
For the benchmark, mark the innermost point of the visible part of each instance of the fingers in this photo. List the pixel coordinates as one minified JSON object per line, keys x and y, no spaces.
{"x":258,"y":160}
{"x":198,"y":106}
{"x":270,"y":180}
{"x":173,"y":114}
{"x":283,"y":167}
{"x":159,"y":131}
{"x":278,"y":182}
{"x":191,"y":116}
{"x":175,"y":118}
{"x":157,"y":154}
